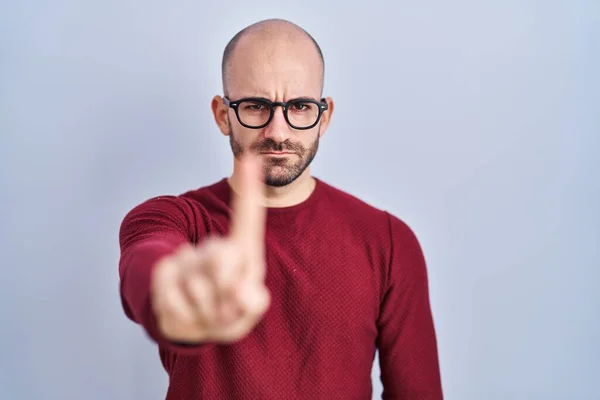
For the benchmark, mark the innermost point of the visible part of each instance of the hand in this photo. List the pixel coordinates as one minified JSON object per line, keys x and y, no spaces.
{"x":215,"y":292}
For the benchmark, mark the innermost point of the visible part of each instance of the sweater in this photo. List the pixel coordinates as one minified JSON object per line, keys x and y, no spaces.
{"x":345,"y":279}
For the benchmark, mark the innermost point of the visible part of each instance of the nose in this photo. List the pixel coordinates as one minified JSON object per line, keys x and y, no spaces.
{"x":278,"y":129}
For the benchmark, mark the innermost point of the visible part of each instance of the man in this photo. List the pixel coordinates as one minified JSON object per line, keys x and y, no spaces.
{"x":272,"y":284}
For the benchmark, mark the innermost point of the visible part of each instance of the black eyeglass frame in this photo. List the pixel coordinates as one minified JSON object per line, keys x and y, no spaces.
{"x":322,"y":106}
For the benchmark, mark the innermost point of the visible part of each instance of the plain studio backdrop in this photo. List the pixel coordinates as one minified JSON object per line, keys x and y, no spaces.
{"x":478,"y":123}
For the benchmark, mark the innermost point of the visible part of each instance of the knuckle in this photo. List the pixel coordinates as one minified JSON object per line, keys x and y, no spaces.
{"x":164,"y":326}
{"x":210,"y":245}
{"x":165,"y":308}
{"x":161,"y":268}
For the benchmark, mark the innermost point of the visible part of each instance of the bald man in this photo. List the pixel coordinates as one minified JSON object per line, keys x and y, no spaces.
{"x":271,"y":283}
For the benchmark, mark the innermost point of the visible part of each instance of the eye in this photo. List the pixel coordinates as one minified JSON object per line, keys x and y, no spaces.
{"x":254,"y":106}
{"x":301,"y":106}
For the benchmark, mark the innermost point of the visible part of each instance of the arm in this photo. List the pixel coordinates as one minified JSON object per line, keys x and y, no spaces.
{"x":406,"y":341}
{"x":150,"y":231}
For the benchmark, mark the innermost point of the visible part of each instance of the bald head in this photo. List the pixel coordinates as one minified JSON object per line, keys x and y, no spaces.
{"x":266,"y":44}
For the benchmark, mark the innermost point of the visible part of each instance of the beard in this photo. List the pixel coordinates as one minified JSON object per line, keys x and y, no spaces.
{"x":280,"y":172}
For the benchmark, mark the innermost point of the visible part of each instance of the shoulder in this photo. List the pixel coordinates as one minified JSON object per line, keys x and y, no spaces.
{"x":352,"y":208}
{"x":180,"y":203}
{"x":357,"y":211}
{"x":182,"y":211}
{"x":344,"y":201}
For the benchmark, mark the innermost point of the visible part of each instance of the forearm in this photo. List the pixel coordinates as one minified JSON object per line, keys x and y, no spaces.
{"x":408,"y":352}
{"x":407,"y":339}
{"x":135,"y":269}
{"x":136,"y":266}
{"x":150,"y":231}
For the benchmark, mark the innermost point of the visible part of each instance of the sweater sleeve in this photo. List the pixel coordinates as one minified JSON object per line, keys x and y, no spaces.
{"x":407,"y":344}
{"x":149,"y":232}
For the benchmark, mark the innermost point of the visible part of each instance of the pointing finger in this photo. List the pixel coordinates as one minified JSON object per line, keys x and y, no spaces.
{"x":249,"y":214}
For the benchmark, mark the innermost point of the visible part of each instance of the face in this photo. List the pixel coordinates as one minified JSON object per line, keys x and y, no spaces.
{"x":278,"y":71}
{"x":284,"y":161}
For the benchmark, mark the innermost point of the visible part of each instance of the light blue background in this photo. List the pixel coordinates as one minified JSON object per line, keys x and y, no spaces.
{"x":477,"y":122}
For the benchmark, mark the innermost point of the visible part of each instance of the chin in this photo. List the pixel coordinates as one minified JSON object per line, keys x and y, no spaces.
{"x":277,"y":182}
{"x":278,"y":176}
{"x":281,"y":172}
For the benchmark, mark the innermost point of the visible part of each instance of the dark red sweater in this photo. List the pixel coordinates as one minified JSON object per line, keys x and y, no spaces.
{"x":345,"y":278}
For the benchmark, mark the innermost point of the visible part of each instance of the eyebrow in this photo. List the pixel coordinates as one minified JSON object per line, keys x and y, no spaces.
{"x":305,"y":98}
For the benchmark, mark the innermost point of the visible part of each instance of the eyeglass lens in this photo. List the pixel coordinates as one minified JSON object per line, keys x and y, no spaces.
{"x":299,"y":113}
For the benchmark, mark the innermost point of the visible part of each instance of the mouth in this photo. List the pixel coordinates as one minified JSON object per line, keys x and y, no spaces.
{"x":276,"y":153}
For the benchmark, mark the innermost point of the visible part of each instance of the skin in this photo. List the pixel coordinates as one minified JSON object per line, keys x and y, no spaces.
{"x":278,"y":61}
{"x":215,"y":291}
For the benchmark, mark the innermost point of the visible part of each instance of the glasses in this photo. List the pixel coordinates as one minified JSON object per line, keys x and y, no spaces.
{"x":257,"y":112}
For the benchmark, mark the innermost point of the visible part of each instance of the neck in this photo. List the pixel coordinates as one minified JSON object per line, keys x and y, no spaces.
{"x":285,"y":196}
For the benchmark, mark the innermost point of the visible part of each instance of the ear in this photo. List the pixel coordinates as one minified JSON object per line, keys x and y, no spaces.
{"x":326,"y":117}
{"x":221,"y":114}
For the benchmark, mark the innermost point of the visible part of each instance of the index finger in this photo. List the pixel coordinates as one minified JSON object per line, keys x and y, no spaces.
{"x":249,"y":215}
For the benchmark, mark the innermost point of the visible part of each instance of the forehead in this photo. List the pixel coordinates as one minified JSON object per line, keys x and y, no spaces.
{"x":271,"y":68}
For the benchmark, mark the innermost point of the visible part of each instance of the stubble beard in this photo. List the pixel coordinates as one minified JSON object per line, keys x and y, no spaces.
{"x":280,"y":171}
